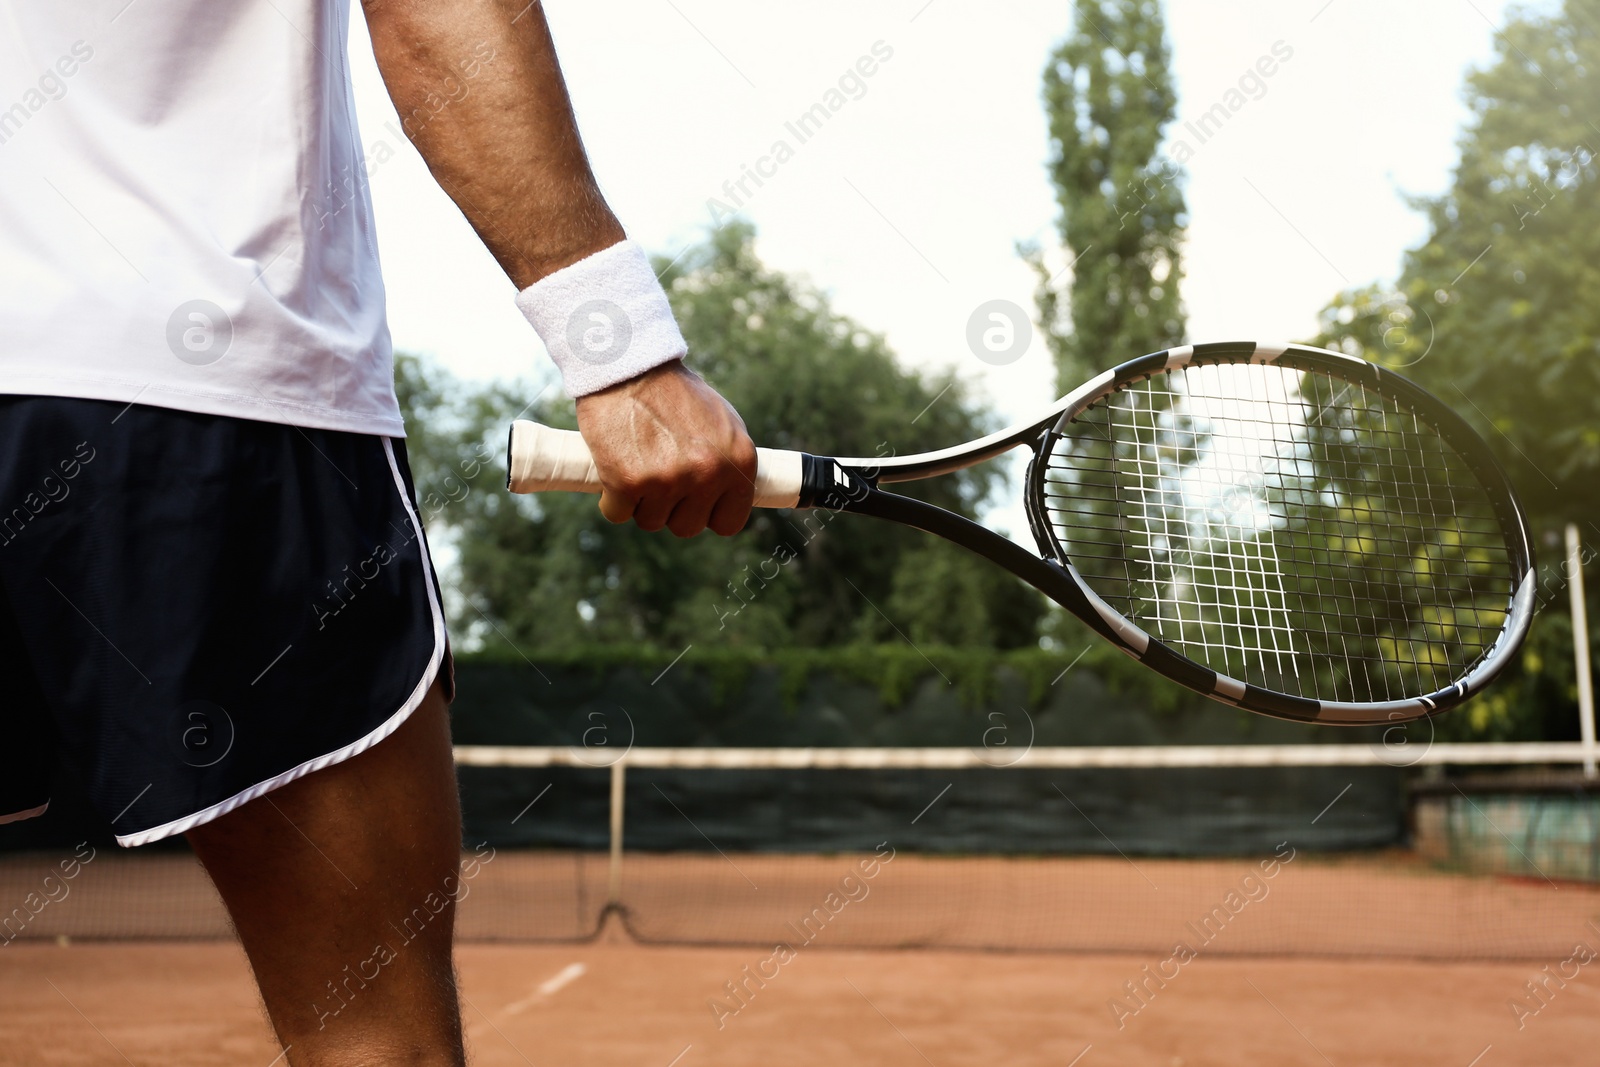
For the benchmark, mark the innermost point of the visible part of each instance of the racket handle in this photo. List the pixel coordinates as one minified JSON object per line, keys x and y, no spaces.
{"x":541,"y":460}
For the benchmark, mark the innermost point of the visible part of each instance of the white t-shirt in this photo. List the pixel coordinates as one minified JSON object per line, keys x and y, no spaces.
{"x":184,"y":217}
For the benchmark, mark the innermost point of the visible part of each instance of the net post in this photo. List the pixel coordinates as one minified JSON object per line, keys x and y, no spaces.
{"x":614,"y":868}
{"x":1580,"y":648}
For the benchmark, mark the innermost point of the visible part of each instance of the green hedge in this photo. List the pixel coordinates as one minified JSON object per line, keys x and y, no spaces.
{"x":878,"y":695}
{"x":894,"y":671}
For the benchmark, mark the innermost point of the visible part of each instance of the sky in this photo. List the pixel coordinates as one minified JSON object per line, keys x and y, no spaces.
{"x":907,"y":206}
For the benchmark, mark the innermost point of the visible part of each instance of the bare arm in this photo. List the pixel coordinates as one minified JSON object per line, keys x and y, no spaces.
{"x":480,"y":94}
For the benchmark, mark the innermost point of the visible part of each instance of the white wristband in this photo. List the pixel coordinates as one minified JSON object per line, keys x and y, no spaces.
{"x":605,"y":319}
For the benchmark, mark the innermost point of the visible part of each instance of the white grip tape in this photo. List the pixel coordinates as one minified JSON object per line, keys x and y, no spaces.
{"x":545,"y":460}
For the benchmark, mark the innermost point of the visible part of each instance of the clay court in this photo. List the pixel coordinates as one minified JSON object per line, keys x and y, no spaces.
{"x":193,"y":1005}
{"x":1359,"y":960}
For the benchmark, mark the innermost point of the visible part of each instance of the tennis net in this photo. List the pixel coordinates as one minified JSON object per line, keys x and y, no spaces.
{"x":1328,"y":850}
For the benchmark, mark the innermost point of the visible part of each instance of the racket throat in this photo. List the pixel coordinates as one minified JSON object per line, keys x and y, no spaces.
{"x":827,"y":483}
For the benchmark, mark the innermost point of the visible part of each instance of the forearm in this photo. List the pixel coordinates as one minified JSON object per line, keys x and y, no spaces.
{"x":480,"y":94}
{"x":500,"y":140}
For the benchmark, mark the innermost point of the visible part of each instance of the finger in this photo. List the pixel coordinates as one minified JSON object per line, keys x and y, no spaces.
{"x":732,"y":511}
{"x":617,"y":507}
{"x":652,"y":512}
{"x":689,"y":517}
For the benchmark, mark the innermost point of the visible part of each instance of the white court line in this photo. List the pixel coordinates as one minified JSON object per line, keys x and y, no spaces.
{"x":547,"y":988}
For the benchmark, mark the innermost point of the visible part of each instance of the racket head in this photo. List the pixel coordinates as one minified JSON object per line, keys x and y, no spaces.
{"x":1294,"y":531}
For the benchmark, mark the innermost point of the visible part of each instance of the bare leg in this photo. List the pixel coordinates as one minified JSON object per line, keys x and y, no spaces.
{"x":341,"y":886}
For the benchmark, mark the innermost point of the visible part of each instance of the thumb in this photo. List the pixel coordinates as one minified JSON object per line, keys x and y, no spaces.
{"x":616,"y":507}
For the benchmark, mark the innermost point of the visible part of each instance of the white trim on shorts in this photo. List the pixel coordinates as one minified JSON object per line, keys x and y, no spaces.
{"x":389,"y":726}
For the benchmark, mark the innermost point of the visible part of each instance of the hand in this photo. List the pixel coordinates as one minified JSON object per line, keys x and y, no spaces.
{"x":670,"y":452}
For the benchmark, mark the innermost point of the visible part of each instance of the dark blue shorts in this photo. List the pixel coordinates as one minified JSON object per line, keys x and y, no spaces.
{"x":195,"y":610}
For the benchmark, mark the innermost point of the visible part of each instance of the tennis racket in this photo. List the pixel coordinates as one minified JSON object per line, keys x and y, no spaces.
{"x":1292,"y":531}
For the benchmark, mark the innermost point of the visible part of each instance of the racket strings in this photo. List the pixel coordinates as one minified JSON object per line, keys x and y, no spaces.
{"x":1285,"y":527}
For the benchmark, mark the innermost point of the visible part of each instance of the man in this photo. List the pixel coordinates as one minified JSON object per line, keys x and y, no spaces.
{"x":217,"y":600}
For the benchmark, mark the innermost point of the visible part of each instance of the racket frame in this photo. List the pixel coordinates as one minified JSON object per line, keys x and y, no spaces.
{"x":851,"y":485}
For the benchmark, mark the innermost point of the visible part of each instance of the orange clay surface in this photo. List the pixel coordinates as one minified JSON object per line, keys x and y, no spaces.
{"x":614,"y":1003}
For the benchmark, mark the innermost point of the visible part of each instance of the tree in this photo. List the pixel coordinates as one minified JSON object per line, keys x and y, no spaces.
{"x":550,"y":572}
{"x":1108,"y":95}
{"x":1498,"y":310}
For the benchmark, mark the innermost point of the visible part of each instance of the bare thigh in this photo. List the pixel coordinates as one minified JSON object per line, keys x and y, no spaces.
{"x":342,"y":888}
